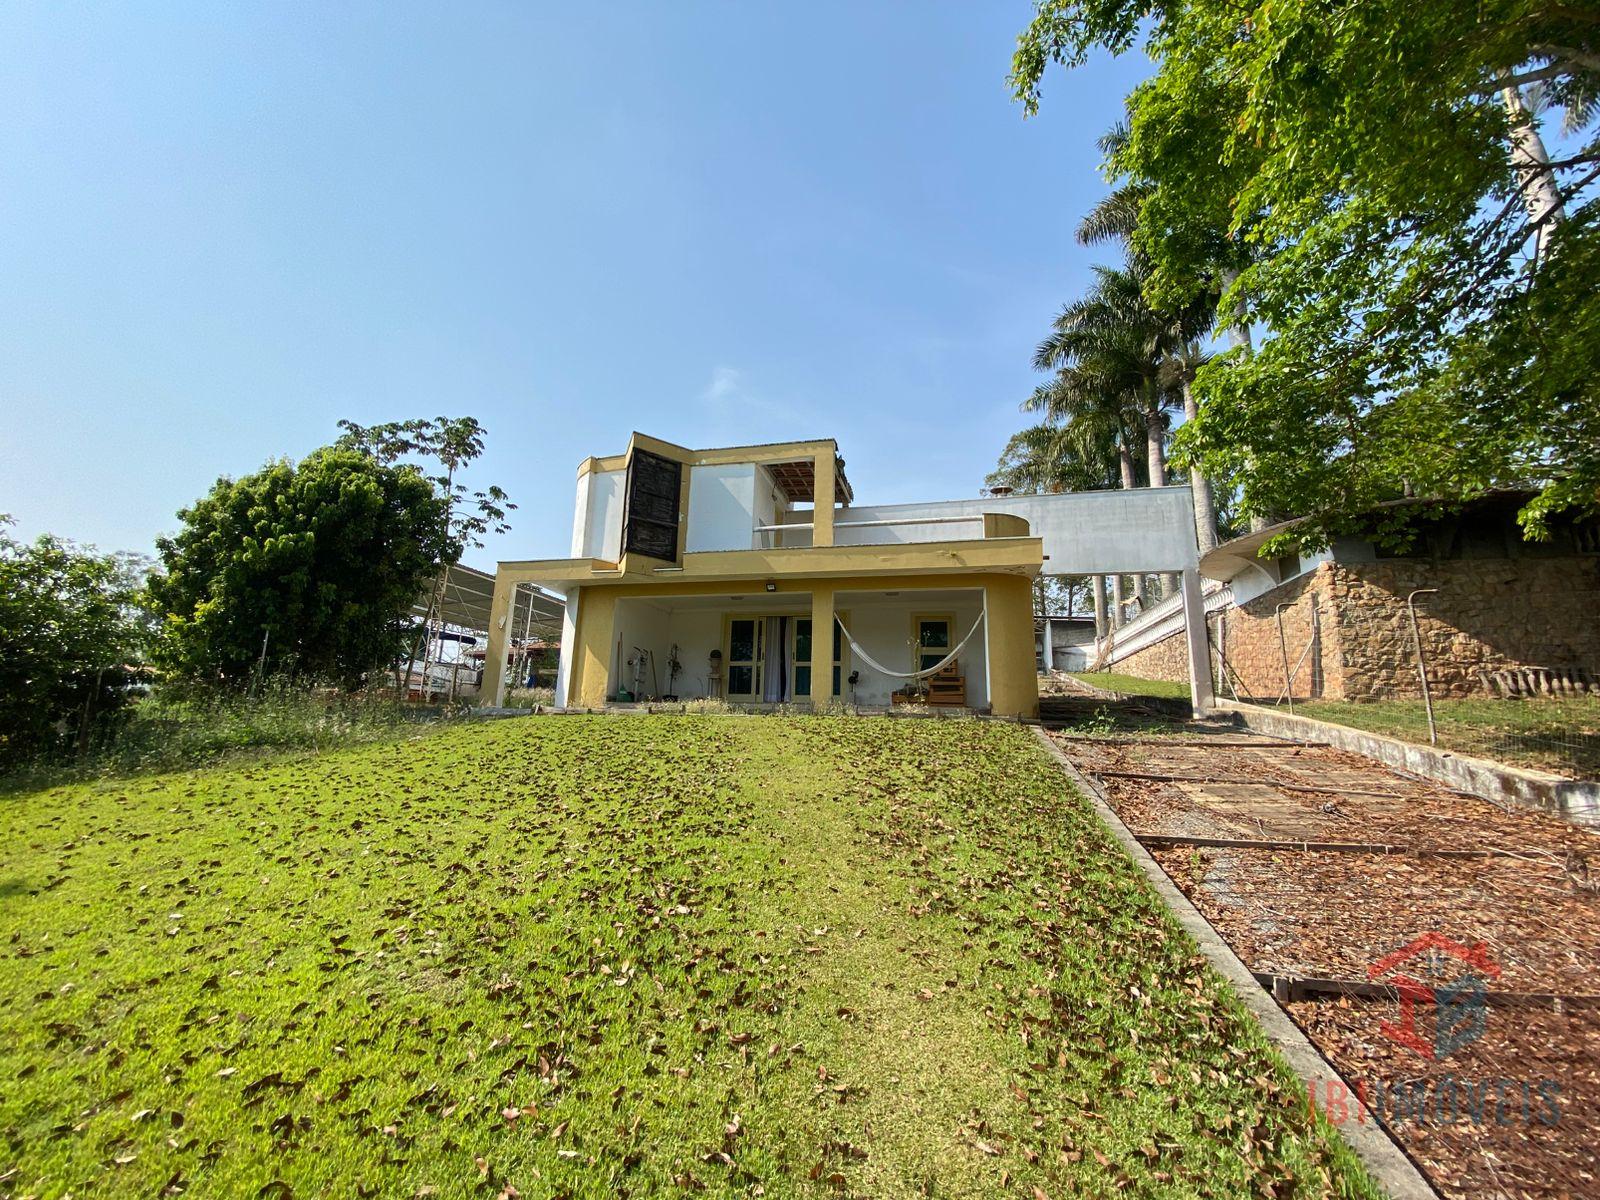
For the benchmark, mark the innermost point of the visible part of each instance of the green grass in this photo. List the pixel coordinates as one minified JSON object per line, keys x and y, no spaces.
{"x":1132,"y":685}
{"x":1553,"y":734}
{"x":591,"y":956}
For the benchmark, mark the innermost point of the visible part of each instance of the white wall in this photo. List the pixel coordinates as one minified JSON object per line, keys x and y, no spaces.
{"x":884,"y":631}
{"x":644,"y":624}
{"x":1084,"y":533}
{"x":769,"y":505}
{"x":697,"y":633}
{"x":569,"y":645}
{"x":722,"y":507}
{"x":597,"y":525}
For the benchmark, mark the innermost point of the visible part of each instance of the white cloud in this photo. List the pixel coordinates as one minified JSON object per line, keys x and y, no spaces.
{"x":725,"y":385}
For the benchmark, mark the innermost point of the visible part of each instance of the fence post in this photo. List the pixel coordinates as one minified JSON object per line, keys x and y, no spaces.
{"x":1283,"y":649}
{"x":1422,"y":662}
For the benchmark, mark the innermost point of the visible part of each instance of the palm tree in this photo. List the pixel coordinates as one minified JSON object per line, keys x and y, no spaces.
{"x":1120,"y":363}
{"x":1114,"y":218}
{"x":1052,"y":457}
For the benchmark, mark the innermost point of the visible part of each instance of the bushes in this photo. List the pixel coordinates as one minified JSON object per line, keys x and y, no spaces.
{"x":178,"y":728}
{"x":70,"y":627}
{"x":308,"y":566}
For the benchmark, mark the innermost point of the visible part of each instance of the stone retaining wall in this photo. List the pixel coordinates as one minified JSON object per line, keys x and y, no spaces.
{"x":1349,"y":638}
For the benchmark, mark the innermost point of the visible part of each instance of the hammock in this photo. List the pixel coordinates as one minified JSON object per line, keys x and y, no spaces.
{"x":855,"y":646}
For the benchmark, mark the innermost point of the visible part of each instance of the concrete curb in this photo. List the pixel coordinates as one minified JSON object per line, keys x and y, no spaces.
{"x":1383,"y":1158}
{"x":1576,"y":800}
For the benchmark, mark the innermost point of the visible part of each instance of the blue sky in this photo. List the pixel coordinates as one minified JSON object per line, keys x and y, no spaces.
{"x":223,"y":227}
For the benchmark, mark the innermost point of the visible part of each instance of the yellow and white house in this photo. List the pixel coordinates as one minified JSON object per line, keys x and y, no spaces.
{"x":752,"y":569}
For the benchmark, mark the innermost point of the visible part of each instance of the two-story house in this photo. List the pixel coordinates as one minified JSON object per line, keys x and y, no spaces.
{"x":749,"y":573}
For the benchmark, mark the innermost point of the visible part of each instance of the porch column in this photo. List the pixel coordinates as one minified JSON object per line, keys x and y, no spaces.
{"x":493,"y":690}
{"x":1194,"y":624}
{"x":593,"y":650}
{"x":569,"y":646}
{"x":822,"y":502}
{"x":822,"y":645}
{"x":1008,"y":630}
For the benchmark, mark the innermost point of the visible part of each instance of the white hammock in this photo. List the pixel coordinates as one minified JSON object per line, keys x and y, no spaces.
{"x":855,"y":646}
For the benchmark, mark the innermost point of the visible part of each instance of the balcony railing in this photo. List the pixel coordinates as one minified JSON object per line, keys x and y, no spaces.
{"x":979,"y":525}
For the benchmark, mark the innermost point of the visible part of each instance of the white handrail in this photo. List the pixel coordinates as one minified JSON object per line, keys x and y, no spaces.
{"x":908,"y":521}
{"x":874,"y":524}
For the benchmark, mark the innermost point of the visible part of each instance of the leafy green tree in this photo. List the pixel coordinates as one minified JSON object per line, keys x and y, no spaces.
{"x":71,"y":638}
{"x":1369,"y":182}
{"x":307,"y":568}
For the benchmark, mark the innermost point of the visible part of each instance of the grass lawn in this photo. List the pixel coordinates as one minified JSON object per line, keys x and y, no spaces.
{"x":1133,"y":685}
{"x":591,"y":956}
{"x":1551,"y":734}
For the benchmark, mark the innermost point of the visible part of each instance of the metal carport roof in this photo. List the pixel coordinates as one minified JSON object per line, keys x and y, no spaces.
{"x":469,"y":592}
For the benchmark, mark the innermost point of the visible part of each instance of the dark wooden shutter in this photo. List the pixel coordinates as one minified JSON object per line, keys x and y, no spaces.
{"x":650,"y":521}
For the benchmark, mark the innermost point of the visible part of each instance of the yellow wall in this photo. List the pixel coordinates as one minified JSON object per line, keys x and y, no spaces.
{"x":1013,"y":679}
{"x":821,"y":644}
{"x":591,"y":660}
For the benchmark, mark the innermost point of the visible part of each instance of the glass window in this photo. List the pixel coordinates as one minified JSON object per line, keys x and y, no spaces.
{"x":802,"y":679}
{"x":836,"y":691}
{"x":933,"y":641}
{"x":802,"y":639}
{"x":741,"y":681}
{"x":742,"y":643}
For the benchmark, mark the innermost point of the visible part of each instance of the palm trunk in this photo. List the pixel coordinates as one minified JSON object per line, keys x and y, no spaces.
{"x":1125,"y":464}
{"x":1205,"y":506}
{"x":1097,"y":585}
{"x":1117,"y":602}
{"x":1535,"y":180}
{"x":1239,"y":339}
{"x":1155,"y":449}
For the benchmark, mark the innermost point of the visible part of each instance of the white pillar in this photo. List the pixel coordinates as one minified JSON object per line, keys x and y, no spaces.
{"x":569,"y":646}
{"x":1194,"y":625}
{"x":1049,"y":656}
{"x":988,"y":656}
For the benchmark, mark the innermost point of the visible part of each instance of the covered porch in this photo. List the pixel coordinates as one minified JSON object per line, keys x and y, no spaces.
{"x":807,"y":644}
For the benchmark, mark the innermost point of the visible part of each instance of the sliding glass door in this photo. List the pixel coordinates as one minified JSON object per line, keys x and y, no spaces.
{"x":745,"y":635}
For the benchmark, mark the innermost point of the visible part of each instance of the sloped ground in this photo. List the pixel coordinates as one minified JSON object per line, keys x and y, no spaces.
{"x":590,"y":956}
{"x":1514,"y":1110}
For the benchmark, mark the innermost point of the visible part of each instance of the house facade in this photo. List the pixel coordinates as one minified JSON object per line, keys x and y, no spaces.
{"x":747,"y":574}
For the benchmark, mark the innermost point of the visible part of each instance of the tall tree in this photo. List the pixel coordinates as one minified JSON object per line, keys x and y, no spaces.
{"x":1422,"y":258}
{"x":1114,"y":354}
{"x":449,"y":445}
{"x":310,"y":567}
{"x":1090,"y":401}
{"x":1115,"y":218}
